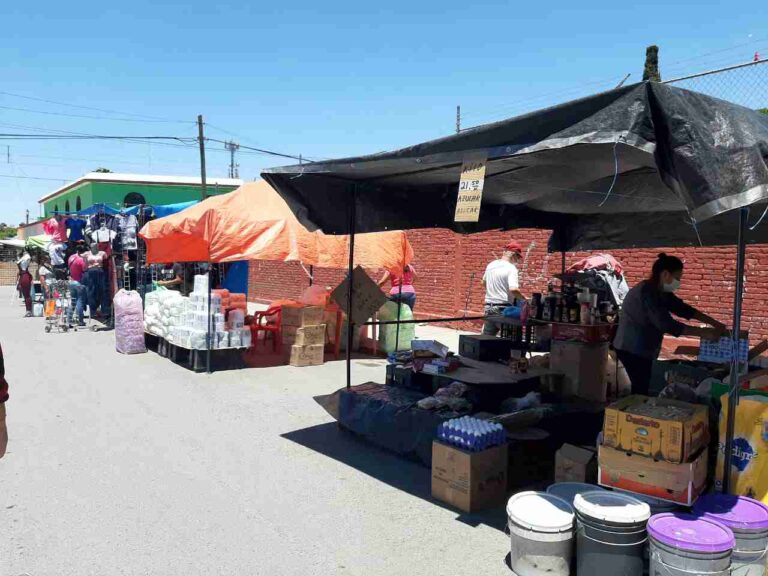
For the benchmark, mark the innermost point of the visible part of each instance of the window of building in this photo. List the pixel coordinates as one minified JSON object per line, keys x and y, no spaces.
{"x":133,"y":199}
{"x":66,"y":206}
{"x":55,"y":208}
{"x":78,"y":204}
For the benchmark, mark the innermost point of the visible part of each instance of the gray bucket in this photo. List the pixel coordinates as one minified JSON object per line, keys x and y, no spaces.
{"x":670,"y":561}
{"x":610,"y":534}
{"x":687,"y":545}
{"x":751,"y":553}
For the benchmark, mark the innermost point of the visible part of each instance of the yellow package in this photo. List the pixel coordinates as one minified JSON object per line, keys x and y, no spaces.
{"x":749,"y":460}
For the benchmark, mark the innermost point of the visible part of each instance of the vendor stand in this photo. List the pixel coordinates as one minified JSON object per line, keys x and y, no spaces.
{"x":254,"y":223}
{"x":639,"y":166}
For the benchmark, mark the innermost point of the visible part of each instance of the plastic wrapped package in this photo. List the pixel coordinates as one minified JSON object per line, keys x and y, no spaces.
{"x":245,"y":337}
{"x":222,"y":339}
{"x":129,"y":323}
{"x":236,"y":319}
{"x":201,"y":283}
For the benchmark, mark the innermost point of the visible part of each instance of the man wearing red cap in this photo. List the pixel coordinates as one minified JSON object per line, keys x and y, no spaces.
{"x":502,"y":286}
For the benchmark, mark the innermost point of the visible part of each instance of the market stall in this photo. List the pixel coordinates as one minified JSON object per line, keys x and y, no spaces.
{"x":254,"y":223}
{"x":643,"y":165}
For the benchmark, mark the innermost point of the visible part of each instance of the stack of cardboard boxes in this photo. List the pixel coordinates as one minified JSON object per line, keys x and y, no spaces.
{"x":303,"y":329}
{"x":655,"y":447}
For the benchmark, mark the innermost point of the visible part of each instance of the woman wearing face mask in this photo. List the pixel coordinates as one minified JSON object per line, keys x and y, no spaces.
{"x":646,"y":315}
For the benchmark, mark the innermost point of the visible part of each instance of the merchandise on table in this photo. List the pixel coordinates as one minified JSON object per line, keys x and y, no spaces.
{"x":748,"y":520}
{"x":541,"y":534}
{"x":610,"y":533}
{"x":687,"y":545}
{"x":663,"y":429}
{"x":471,"y":434}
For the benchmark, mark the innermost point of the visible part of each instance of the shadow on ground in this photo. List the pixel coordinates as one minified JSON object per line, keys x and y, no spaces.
{"x":334,"y":442}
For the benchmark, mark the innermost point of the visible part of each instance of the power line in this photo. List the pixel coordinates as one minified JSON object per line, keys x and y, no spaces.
{"x":35,"y":178}
{"x":105,"y":110}
{"x":259,"y":150}
{"x":65,"y":114}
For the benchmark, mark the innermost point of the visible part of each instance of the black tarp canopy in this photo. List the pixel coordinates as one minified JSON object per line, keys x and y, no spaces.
{"x":669,"y":157}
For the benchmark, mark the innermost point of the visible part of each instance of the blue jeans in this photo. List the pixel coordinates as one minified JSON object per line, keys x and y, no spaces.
{"x":95,"y":282}
{"x":408,"y":298}
{"x":79,"y":296}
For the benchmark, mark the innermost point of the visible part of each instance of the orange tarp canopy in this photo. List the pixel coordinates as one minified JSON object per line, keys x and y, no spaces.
{"x":255,"y":223}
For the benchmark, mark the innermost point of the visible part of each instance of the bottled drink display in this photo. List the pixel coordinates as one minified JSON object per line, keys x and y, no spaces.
{"x":471,"y":434}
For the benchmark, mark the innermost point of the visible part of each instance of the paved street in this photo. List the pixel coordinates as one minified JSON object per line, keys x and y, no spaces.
{"x":133,"y":465}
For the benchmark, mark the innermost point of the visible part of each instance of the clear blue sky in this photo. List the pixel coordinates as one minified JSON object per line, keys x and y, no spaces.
{"x":322,"y":79}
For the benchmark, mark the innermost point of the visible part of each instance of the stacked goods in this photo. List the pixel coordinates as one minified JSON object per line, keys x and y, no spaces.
{"x":185,"y":322}
{"x":655,"y":447}
{"x":302,"y":327}
{"x":237,"y":301}
{"x":129,"y":323}
{"x":472,"y":434}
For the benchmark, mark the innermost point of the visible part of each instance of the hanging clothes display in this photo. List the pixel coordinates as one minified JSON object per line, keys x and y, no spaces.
{"x":75,"y":226}
{"x":126,"y":226}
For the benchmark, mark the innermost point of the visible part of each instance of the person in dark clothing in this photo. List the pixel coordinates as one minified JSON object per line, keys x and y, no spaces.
{"x":3,"y":398}
{"x":646,"y":316}
{"x":172,"y":277}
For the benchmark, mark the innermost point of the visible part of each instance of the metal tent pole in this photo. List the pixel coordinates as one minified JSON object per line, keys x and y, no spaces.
{"x":733,"y":394}
{"x":350,"y":292}
{"x":210,"y":320}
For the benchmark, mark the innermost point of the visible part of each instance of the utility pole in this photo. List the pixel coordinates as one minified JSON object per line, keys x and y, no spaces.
{"x":27,"y":215}
{"x":458,"y":119}
{"x":233,"y":147}
{"x":201,"y":140}
{"x":8,"y":154}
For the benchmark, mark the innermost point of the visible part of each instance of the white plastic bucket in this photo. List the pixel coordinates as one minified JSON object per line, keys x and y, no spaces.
{"x":568,"y":490}
{"x":541,"y":534}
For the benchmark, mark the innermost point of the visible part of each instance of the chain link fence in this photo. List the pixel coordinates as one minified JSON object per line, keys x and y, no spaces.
{"x":743,"y":84}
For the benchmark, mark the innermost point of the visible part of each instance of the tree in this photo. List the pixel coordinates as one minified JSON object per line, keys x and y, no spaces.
{"x":103,"y":170}
{"x":651,"y":70}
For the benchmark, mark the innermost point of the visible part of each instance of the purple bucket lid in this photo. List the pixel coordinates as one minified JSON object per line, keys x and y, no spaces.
{"x":736,"y":512}
{"x":688,"y":532}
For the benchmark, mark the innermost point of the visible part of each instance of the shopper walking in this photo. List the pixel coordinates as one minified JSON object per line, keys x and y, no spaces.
{"x":25,"y":281}
{"x":3,"y":399}
{"x":406,"y":294}
{"x":77,"y":290}
{"x":502,"y":285}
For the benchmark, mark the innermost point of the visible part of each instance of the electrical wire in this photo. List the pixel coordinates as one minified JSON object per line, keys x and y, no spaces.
{"x":615,"y":171}
{"x":112,"y":119}
{"x":756,"y":224}
{"x":260,"y":150}
{"x":105,"y":110}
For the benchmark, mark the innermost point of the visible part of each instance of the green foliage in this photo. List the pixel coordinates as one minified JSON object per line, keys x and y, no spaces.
{"x":651,"y":70}
{"x":103,"y":170}
{"x":6,"y":231}
{"x":763,"y":110}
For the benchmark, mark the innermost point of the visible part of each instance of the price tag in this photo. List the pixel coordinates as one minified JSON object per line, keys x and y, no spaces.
{"x":470,"y":191}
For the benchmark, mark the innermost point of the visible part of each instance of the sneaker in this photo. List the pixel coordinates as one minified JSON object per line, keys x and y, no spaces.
{"x":28,"y":315}
{"x":81,"y":323}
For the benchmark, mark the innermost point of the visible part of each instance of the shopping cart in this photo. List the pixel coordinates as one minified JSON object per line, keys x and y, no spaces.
{"x":56,"y":306}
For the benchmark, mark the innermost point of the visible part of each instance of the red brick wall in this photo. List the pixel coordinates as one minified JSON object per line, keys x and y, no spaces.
{"x":446,"y":261}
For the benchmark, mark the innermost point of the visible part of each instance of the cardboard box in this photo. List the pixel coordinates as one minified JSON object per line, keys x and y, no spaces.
{"x":583,"y":367}
{"x":429,"y":347}
{"x":307,"y":355}
{"x":678,"y":483}
{"x":469,"y":481}
{"x":288,"y":334}
{"x":574,"y":464}
{"x":656,"y":429}
{"x":297,"y":315}
{"x":307,"y":335}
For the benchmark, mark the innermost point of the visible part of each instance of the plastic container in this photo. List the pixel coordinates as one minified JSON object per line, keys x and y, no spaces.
{"x":610,"y":533}
{"x":388,"y":335}
{"x":541,"y":534}
{"x":748,"y":520}
{"x":657,"y":506}
{"x":687,"y":545}
{"x":568,"y":490}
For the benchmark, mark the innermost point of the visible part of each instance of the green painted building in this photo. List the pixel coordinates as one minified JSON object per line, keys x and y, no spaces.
{"x":122,"y":190}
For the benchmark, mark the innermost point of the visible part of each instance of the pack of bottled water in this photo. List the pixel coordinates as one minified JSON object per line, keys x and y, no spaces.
{"x":471,"y":434}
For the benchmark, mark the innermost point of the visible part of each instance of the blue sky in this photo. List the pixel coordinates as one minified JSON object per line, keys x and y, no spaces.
{"x":318,"y":79}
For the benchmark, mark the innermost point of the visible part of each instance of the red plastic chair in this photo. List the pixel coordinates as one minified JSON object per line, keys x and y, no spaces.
{"x":268,"y":321}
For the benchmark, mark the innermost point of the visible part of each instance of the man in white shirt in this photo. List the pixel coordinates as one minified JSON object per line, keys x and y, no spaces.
{"x":502,"y":285}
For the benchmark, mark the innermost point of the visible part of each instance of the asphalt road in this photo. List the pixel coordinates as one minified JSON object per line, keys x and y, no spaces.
{"x":133,"y":465}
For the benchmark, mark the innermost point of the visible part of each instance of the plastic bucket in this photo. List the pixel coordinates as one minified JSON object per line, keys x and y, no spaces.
{"x":610,"y":533}
{"x":541,"y":534}
{"x":748,"y":520}
{"x":687,"y":545}
{"x":568,"y":490}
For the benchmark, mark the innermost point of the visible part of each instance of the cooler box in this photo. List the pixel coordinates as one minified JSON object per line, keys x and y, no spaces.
{"x":484,"y":348}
